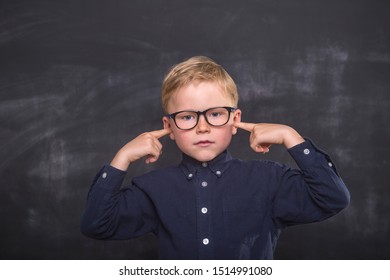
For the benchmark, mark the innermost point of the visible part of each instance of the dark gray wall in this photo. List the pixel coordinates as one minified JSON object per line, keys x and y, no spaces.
{"x":80,"y":78}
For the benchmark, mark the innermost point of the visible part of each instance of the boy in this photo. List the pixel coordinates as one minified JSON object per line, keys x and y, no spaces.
{"x":212,"y":206}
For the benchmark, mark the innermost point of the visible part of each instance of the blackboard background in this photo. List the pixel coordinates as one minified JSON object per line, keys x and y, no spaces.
{"x":80,"y":78}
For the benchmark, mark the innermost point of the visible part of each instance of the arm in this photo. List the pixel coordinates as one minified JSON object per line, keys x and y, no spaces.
{"x":115,"y":213}
{"x":310,"y":194}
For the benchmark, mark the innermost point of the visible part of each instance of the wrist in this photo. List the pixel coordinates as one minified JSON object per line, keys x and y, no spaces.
{"x":292,"y":138}
{"x":120,"y":162}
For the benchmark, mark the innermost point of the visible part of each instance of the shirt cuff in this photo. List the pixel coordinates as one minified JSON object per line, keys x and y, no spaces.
{"x":308,"y":156}
{"x":109,"y":178}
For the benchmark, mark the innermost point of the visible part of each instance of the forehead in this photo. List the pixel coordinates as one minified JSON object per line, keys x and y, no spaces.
{"x":199,"y":95}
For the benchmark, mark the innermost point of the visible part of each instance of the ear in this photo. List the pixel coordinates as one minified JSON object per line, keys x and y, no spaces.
{"x":236,"y":118}
{"x":167,"y":124}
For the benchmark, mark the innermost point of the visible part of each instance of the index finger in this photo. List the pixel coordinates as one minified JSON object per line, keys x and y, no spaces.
{"x":245,"y":126}
{"x":160,"y":133}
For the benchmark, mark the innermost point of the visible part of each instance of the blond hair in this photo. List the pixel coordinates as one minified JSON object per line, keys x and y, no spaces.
{"x":197,"y":68}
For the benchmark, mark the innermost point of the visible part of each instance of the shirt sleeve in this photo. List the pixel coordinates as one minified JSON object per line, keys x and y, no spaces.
{"x":311,"y":194}
{"x":113,"y":212}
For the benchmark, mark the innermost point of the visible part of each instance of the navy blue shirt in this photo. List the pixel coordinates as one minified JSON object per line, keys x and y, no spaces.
{"x":222,"y":209}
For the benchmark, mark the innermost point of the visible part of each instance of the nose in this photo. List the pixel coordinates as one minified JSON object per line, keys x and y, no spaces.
{"x":202,"y":125}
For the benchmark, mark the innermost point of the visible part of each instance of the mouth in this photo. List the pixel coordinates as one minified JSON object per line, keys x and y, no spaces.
{"x":204,"y":143}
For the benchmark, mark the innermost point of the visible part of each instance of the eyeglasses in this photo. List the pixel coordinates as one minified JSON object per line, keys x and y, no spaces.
{"x":217,"y":116}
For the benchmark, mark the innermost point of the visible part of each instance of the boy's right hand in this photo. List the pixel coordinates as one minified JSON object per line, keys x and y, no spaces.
{"x":146,"y":144}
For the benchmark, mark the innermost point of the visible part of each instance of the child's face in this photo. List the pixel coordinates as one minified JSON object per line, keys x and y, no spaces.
{"x":204,"y":142}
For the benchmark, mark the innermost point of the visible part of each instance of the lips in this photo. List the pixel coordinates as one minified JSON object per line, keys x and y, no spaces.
{"x":203,"y":143}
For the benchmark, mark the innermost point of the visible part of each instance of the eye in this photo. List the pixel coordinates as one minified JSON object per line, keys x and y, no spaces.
{"x":217,"y":113}
{"x":186,"y":116}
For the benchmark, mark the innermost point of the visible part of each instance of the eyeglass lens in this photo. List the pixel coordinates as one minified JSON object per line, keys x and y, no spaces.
{"x":214,"y":116}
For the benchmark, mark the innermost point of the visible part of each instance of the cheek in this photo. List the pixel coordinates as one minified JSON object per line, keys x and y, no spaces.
{"x":181,"y":137}
{"x":225,"y":135}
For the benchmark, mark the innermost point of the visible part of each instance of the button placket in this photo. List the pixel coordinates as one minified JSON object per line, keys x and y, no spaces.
{"x":203,"y":202}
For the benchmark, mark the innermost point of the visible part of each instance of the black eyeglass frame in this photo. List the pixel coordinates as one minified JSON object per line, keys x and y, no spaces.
{"x":199,"y":113}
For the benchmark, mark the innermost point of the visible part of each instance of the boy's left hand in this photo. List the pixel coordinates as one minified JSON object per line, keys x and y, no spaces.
{"x":263,"y":135}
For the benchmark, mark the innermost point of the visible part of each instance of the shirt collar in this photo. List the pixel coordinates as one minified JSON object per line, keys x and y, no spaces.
{"x":218,"y":165}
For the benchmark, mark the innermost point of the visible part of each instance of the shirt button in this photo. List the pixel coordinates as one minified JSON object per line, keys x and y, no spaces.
{"x":204,"y":210}
{"x":104,"y":175}
{"x":218,"y":173}
{"x":190,"y":176}
{"x":306,"y":151}
{"x":204,"y":164}
{"x":204,"y":184}
{"x":330,"y":164}
{"x":206,"y":241}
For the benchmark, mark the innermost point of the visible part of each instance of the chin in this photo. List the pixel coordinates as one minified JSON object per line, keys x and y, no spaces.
{"x":205,"y":156}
